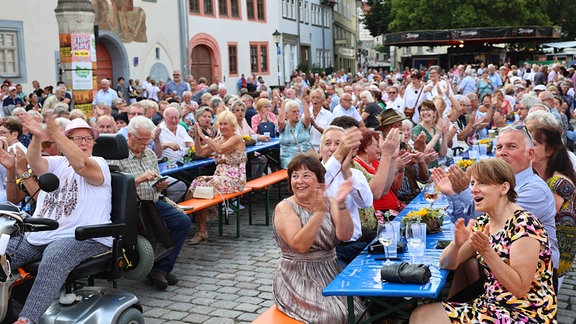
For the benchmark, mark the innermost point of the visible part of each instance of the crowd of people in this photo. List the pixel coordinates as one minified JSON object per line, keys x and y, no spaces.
{"x":356,"y":146}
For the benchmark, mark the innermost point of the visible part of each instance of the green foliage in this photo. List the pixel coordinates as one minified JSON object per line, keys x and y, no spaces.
{"x":407,"y":15}
{"x":378,"y":18}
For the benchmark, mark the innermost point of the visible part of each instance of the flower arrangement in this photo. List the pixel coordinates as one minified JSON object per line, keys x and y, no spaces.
{"x":464,"y":164}
{"x":433,"y":217}
{"x":248,"y":141}
{"x":190,"y":153}
{"x":488,"y":143}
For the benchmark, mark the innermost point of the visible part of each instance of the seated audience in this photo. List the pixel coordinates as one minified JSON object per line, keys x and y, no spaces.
{"x":294,"y":131}
{"x":307,"y":227}
{"x":230,"y":174}
{"x":513,"y":250}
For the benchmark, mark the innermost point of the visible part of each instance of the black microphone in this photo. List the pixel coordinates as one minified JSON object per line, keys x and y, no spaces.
{"x":47,"y":182}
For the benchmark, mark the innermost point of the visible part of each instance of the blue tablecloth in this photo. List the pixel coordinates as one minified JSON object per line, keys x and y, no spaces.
{"x":362,"y":276}
{"x":165,"y":168}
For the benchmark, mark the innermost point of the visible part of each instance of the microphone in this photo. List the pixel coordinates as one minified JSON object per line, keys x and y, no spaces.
{"x":47,"y":182}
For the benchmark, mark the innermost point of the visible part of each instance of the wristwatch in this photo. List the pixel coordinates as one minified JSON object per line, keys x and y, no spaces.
{"x":26,"y":174}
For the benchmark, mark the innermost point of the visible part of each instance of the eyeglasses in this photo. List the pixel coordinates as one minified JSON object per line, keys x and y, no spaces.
{"x":79,"y":139}
{"x":425,"y":109}
{"x":523,"y":129}
{"x":136,"y":113}
{"x":47,"y":144}
{"x":142,"y":140}
{"x":239,"y":110}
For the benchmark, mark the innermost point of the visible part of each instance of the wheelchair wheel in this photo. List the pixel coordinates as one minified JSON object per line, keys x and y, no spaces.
{"x":131,"y":316}
{"x":144,"y":260}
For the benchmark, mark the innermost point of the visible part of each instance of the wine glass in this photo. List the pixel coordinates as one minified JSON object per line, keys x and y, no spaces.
{"x":386,"y":237}
{"x":430,"y":193}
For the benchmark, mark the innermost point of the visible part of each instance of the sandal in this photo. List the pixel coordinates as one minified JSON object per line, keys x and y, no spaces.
{"x":199,"y":237}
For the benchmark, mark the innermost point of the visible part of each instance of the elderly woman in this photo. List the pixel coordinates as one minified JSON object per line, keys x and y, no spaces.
{"x":203,"y":120}
{"x":230,"y":174}
{"x":307,"y":227}
{"x":264,"y":114}
{"x":294,"y":131}
{"x":512,"y":248}
{"x":552,"y":163}
{"x":370,"y":109}
{"x":433,"y":128}
{"x":258,"y":162}
{"x":11,"y":131}
{"x":83,"y":198}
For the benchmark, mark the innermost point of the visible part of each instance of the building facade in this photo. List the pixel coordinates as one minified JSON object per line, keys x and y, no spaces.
{"x":345,"y":34}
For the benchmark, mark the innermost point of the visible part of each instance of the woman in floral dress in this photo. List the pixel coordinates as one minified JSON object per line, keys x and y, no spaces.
{"x":230,"y":174}
{"x":512,"y":248}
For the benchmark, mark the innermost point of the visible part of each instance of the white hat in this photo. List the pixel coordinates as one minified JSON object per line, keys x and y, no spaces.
{"x":12,"y":88}
{"x":540,"y":87}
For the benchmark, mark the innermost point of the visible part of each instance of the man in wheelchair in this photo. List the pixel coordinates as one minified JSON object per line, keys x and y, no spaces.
{"x":142,"y":163}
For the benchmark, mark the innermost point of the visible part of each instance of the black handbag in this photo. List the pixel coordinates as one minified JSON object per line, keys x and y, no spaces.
{"x":378,"y":248}
{"x":406,"y":273}
{"x":267,"y":127}
{"x":153,"y":228}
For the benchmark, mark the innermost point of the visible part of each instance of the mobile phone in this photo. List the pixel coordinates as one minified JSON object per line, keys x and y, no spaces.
{"x":159,"y":180}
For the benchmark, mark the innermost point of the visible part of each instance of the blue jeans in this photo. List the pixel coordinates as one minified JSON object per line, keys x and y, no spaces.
{"x":178,"y":224}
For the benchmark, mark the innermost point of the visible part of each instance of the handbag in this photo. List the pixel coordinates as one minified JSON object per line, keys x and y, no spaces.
{"x":153,"y":228}
{"x":203,"y":192}
{"x":378,"y":248}
{"x":409,"y":112}
{"x":267,"y":127}
{"x":406,"y":273}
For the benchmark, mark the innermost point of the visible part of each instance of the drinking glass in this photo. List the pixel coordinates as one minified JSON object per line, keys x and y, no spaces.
{"x":415,"y":235}
{"x":386,"y":237}
{"x":483,"y":149}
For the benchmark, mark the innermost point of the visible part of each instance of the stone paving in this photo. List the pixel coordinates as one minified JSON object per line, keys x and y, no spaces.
{"x":229,"y":280}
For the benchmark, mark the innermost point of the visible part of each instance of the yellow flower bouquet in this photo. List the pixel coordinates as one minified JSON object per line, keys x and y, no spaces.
{"x":190,"y":153}
{"x":464,"y":164}
{"x":433,"y":217}
{"x":248,"y":141}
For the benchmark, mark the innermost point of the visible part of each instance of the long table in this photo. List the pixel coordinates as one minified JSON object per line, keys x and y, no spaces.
{"x":166,"y":169}
{"x":361,"y":278}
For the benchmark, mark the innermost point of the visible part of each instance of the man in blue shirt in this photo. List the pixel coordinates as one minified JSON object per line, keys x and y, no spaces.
{"x":105,"y":94}
{"x":494,"y":77}
{"x":515,"y":147}
{"x":176,"y":87}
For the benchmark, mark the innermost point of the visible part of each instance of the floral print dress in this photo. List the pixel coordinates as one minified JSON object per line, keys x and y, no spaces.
{"x":230,"y":174}
{"x":497,"y":304}
{"x":565,"y":221}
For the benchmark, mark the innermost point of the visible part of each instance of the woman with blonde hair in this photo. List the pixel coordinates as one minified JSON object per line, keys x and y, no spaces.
{"x":230,"y":175}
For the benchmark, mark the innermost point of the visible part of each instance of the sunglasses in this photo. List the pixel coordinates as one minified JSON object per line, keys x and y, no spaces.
{"x":47,"y":144}
{"x":525,"y":131}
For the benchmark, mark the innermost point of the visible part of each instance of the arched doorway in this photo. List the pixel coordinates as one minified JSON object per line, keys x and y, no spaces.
{"x":201,"y":65}
{"x":104,"y":64}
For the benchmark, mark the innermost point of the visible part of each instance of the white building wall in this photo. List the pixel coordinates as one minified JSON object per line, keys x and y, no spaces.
{"x":41,"y":44}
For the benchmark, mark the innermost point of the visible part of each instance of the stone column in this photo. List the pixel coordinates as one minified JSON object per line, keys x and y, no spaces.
{"x":77,"y":50}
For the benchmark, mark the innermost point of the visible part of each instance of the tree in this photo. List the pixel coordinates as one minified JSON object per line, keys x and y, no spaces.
{"x":562,"y":13}
{"x":407,"y":15}
{"x":376,"y":17}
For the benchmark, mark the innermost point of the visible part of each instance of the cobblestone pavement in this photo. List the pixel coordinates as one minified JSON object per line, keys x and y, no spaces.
{"x":229,"y":280}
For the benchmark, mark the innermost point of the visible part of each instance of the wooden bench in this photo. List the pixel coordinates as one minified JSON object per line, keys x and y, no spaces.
{"x":274,"y":316}
{"x":263,"y":183}
{"x":218,"y":199}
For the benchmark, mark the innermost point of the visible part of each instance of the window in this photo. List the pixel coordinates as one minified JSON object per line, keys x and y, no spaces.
{"x":233,"y":58}
{"x":194,"y":6}
{"x":259,"y":57}
{"x":201,"y":7}
{"x":256,"y":10}
{"x":8,"y":54}
{"x":235,"y":8}
{"x":250,"y":9}
{"x":223,"y":8}
{"x":12,"y":57}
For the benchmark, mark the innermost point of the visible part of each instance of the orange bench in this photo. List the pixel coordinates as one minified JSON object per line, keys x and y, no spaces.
{"x":274,"y":316}
{"x":199,"y":204}
{"x":263,"y":183}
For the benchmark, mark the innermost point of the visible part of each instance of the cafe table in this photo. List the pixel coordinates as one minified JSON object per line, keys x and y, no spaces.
{"x":361,"y":278}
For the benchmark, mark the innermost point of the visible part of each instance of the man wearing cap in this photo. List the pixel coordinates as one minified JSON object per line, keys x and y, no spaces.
{"x":12,"y":101}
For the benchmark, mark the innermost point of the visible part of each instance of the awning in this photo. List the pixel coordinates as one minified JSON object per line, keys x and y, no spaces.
{"x":569,"y":44}
{"x":472,"y":35}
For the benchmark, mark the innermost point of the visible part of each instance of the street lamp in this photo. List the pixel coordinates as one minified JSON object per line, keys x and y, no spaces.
{"x":276,"y":35}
